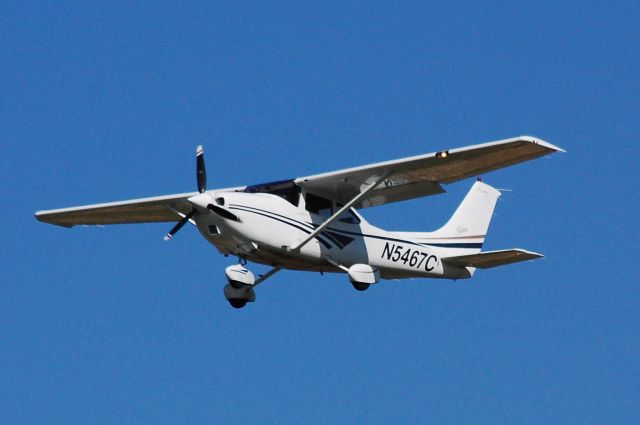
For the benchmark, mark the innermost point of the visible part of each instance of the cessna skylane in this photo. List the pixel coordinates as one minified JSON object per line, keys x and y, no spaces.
{"x":313,"y":223}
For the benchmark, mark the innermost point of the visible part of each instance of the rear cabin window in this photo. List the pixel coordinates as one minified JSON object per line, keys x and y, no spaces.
{"x":348,"y":216}
{"x":318,"y":205}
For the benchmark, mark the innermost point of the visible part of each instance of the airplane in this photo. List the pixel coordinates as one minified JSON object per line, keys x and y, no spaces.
{"x":313,"y":223}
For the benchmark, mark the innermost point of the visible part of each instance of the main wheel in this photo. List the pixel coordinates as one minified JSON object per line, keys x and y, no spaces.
{"x":360,"y":286}
{"x":237,"y":302}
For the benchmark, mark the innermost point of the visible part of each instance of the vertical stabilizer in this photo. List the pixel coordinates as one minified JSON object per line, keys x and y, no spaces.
{"x":473,"y":215}
{"x":466,"y":230}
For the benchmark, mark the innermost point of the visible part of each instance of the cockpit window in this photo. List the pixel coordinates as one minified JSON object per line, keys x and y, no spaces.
{"x":285,"y":189}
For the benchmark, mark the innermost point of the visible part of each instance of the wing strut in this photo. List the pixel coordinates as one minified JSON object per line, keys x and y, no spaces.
{"x":267,"y":275}
{"x":338,"y":213}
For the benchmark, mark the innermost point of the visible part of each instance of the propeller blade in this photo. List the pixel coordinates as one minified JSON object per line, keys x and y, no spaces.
{"x":201,"y":177}
{"x":179,"y":225}
{"x":201,"y":172}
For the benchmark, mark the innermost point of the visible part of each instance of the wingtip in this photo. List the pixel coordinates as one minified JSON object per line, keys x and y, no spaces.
{"x":38,"y":216}
{"x":534,"y":255}
{"x":554,"y":147}
{"x":199,"y":150}
{"x":544,"y":143}
{"x":42,"y":217}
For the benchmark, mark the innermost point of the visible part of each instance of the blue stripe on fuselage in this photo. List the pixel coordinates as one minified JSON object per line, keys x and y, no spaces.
{"x":346,"y":232}
{"x":322,"y":241}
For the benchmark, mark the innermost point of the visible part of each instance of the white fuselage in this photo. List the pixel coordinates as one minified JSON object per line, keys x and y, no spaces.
{"x":268,"y":226}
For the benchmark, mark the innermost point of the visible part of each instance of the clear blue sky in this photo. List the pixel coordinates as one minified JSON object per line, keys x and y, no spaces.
{"x":113,"y":325}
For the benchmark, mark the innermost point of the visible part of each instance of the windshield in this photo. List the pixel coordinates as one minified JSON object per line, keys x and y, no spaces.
{"x":285,"y":189}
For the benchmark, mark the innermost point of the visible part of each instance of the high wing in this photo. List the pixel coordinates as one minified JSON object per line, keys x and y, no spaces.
{"x":488,"y":259}
{"x":143,"y":210}
{"x":422,"y":175}
{"x":404,"y":178}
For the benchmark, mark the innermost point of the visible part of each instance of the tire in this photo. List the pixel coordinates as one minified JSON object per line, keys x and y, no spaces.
{"x":235,"y":284}
{"x":359,"y":286}
{"x":237,"y":302}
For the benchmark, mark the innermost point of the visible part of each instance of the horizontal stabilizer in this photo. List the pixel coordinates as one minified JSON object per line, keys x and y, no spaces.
{"x":488,"y":259}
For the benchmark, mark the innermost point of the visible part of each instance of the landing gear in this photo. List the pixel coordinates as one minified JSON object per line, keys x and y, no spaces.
{"x":359,"y":286}
{"x":239,"y":297}
{"x":240,"y":289}
{"x":362,"y":275}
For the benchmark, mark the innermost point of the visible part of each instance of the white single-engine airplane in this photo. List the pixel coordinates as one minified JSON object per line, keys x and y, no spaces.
{"x":311,"y":223}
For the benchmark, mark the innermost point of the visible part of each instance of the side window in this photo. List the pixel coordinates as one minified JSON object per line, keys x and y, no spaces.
{"x":318,"y":205}
{"x":348,"y":216}
{"x":291,"y":194}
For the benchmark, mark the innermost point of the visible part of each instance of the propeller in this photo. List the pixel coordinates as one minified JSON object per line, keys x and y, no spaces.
{"x":201,"y":171}
{"x":201,"y":177}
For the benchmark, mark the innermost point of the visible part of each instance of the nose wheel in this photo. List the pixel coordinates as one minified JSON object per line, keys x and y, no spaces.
{"x":240,"y":289}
